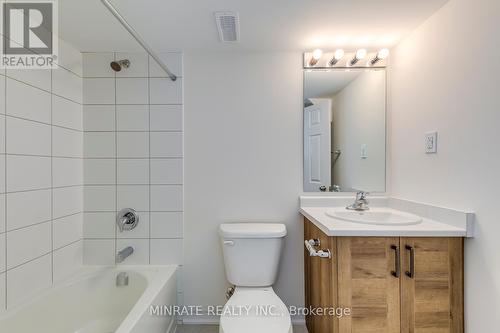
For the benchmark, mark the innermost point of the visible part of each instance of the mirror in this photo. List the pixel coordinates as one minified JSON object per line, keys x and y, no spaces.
{"x":344,"y":130}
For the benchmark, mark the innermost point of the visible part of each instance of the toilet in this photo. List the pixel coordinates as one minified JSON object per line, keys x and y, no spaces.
{"x":252,"y":253}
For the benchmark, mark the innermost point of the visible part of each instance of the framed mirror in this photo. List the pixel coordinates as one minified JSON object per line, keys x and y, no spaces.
{"x":345,"y":130}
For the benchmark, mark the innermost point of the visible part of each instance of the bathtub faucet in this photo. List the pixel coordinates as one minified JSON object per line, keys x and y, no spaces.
{"x":123,"y":254}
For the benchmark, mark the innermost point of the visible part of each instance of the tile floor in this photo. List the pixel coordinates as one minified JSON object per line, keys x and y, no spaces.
{"x":215,"y":329}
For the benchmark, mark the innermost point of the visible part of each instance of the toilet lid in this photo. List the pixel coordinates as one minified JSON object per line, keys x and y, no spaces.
{"x":252,"y":310}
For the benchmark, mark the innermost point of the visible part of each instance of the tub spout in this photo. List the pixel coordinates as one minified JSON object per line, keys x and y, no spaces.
{"x":123,"y":254}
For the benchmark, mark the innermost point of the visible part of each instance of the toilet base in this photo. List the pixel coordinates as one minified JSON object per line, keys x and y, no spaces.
{"x":255,"y":309}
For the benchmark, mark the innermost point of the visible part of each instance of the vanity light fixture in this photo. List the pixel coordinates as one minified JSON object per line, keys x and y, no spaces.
{"x":360,"y":54}
{"x":339,"y":54}
{"x":341,"y":58}
{"x":381,"y":55}
{"x":316,"y":55}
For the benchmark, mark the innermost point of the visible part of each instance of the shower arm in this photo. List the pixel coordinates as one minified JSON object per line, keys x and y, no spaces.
{"x":138,"y":38}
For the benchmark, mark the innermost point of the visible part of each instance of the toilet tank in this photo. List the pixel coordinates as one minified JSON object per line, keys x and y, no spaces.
{"x":252,"y":252}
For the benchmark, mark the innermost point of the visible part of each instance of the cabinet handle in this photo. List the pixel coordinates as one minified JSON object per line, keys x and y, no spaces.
{"x":316,"y":253}
{"x":397,"y":263}
{"x":411,"y":272}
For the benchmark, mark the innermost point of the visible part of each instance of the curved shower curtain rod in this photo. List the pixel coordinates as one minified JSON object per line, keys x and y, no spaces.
{"x":138,"y":38}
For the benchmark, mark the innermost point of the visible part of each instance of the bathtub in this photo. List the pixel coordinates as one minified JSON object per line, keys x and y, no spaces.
{"x":92,"y":303}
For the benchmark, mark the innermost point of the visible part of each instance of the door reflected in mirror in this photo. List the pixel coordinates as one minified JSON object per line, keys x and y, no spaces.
{"x":345,"y":130}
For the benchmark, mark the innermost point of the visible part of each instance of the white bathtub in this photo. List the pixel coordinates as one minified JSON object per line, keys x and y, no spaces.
{"x":92,"y":303}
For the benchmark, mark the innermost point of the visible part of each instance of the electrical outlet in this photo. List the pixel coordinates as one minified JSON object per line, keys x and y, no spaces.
{"x":431,"y":142}
{"x":364,"y":152}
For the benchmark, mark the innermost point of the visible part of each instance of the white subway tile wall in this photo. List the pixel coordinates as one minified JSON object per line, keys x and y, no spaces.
{"x":20,"y":282}
{"x":99,"y":251}
{"x":132,"y":90}
{"x":99,"y":225}
{"x":41,"y":177}
{"x":99,"y":117}
{"x":132,"y":118}
{"x":133,"y":158}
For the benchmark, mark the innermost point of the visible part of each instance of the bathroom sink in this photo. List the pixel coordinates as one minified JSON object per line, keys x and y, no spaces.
{"x":378,"y":216}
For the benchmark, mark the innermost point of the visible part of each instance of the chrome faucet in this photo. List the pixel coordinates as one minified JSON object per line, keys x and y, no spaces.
{"x":127,"y":219}
{"x":335,"y":188}
{"x":124,"y":254}
{"x":361,"y":202}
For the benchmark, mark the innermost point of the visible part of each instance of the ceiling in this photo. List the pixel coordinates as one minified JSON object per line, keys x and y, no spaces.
{"x":266,"y":25}
{"x":320,"y":84}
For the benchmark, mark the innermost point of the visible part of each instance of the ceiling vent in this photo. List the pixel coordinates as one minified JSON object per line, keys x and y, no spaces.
{"x":228,"y":25}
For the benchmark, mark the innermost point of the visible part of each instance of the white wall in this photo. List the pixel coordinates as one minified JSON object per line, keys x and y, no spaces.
{"x":40,"y":176}
{"x":445,"y":77}
{"x":243,"y":162}
{"x":359,"y":119}
{"x":133,"y":122}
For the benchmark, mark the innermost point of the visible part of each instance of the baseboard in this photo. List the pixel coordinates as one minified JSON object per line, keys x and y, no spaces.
{"x":200,"y":321}
{"x":298,"y":321}
{"x":215,"y":321}
{"x":172,"y":327}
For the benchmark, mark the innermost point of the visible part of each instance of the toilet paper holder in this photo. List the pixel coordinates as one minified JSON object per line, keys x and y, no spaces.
{"x":311,"y":243}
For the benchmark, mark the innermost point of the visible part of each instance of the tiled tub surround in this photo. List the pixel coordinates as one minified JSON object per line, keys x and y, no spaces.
{"x":133,"y":158}
{"x":41,"y":177}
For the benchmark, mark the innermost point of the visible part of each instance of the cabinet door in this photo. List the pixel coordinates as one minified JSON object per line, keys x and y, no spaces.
{"x":432,"y":298}
{"x":320,"y":281}
{"x":366,"y":285}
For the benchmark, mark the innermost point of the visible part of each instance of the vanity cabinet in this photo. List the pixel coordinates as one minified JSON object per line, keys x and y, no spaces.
{"x":366,"y":286}
{"x":391,"y":284}
{"x":320,"y":291}
{"x":433,"y":299}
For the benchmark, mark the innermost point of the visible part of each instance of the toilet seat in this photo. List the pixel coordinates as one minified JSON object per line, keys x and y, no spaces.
{"x":252,"y":310}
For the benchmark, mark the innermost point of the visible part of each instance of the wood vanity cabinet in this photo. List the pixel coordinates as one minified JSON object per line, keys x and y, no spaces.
{"x":319,"y":275}
{"x":391,"y":284}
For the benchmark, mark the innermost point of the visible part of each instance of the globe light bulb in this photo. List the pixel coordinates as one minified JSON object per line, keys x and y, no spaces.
{"x":317,"y":54}
{"x":360,"y":54}
{"x":339,"y":54}
{"x":383,"y":54}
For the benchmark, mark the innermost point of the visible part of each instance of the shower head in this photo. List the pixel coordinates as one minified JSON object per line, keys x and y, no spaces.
{"x":119,"y":64}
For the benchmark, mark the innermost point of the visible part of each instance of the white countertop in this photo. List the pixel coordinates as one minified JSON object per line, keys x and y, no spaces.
{"x":436,"y":221}
{"x":336,"y":227}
